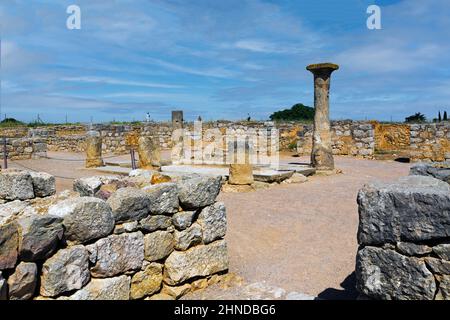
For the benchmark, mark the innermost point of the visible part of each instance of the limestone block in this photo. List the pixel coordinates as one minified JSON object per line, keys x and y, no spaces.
{"x":129,"y":204}
{"x":22,"y":283}
{"x":213,"y":222}
{"x":16,"y":185}
{"x":146,"y":282}
{"x":9,"y":243}
{"x":43,"y":184}
{"x":199,"y":192}
{"x":158,"y":245}
{"x":117,"y":288}
{"x":163,"y":198}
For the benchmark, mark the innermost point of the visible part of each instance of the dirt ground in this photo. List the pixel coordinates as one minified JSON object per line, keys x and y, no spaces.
{"x":285,"y":241}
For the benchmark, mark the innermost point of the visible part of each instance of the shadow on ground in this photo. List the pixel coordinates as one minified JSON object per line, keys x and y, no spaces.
{"x":348,"y":293}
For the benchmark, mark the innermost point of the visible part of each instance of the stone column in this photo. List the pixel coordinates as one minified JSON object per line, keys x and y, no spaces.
{"x":149,"y":154}
{"x":322,"y":152}
{"x":94,"y":149}
{"x":177,"y":119}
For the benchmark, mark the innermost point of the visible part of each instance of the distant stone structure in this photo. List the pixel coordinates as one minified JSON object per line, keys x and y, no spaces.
{"x":177,"y":119}
{"x":93,"y":149}
{"x":322,"y":152}
{"x":149,"y":153}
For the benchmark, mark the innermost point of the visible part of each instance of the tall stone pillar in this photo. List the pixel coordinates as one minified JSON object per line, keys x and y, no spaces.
{"x":94,"y":149}
{"x":322,"y":152}
{"x":177,"y":119}
{"x":149,"y":154}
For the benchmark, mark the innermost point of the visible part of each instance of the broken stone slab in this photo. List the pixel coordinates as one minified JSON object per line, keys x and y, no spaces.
{"x":176,"y":292}
{"x":199,"y":192}
{"x":442,"y":251}
{"x":272,"y":176}
{"x":22,"y":283}
{"x":153,"y":223}
{"x":163,"y":198}
{"x":129,"y":204}
{"x":117,"y":254}
{"x":199,"y":261}
{"x":3,"y":288}
{"x":117,"y":288}
{"x":413,"y":209}
{"x":39,"y":236}
{"x":213,"y":222}
{"x":158,"y":245}
{"x":88,"y":187}
{"x":412,"y":249}
{"x":241,"y":174}
{"x":65,"y":271}
{"x":188,"y":237}
{"x":184,"y":219}
{"x":9,"y":243}
{"x":16,"y":185}
{"x":444,"y":288}
{"x":386,"y":275}
{"x":438,"y":266}
{"x":146,"y":282}
{"x":44,"y":184}
{"x":84,"y":219}
{"x":439,"y":170}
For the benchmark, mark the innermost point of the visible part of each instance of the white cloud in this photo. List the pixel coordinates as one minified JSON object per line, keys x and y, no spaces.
{"x":112,"y":81}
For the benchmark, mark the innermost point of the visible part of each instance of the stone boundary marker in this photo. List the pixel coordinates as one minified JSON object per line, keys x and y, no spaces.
{"x":404,"y":238}
{"x":110,"y":239}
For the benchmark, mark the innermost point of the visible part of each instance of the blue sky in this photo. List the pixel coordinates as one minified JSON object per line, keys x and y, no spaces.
{"x":221,"y":59}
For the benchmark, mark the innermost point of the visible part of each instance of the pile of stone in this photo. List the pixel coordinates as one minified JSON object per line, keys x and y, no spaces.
{"x":112,"y":239}
{"x":404,"y":238}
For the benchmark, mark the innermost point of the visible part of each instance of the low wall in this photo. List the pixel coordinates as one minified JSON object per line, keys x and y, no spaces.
{"x":112,"y":239}
{"x":25,"y":148}
{"x":404,"y":240}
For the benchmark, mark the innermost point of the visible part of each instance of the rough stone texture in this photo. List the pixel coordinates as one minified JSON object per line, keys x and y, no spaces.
{"x":439,"y":171}
{"x":241,"y":174}
{"x":199,"y":192}
{"x":118,"y":254}
{"x":117,"y":288}
{"x":413,"y":209}
{"x":412,"y":249}
{"x":149,"y":154}
{"x":129,"y":204}
{"x":184,"y":219}
{"x":386,"y":274}
{"x":199,"y":261}
{"x":158,"y":178}
{"x":176,"y":292}
{"x":146,"y":282}
{"x":39,"y":236}
{"x":163,"y":198}
{"x":65,"y":271}
{"x":44,"y":184}
{"x":438,"y":266}
{"x":131,"y":226}
{"x":188,"y":238}
{"x":22,"y":283}
{"x":87,"y":187}
{"x":85,"y":219}
{"x":93,"y":149}
{"x":9,"y":242}
{"x":158,"y":245}
{"x":160,"y":296}
{"x":444,"y":288}
{"x":3,"y":288}
{"x":442,"y":251}
{"x":9,"y":210}
{"x":296,"y":178}
{"x":16,"y":185}
{"x":213,"y":221}
{"x":153,"y":223}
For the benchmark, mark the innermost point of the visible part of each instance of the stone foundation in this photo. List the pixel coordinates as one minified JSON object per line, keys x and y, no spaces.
{"x":110,"y":239}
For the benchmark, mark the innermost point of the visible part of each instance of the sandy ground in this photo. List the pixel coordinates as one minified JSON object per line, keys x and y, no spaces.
{"x":291,"y":238}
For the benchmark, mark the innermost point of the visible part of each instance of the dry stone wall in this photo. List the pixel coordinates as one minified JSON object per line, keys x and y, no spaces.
{"x":404,"y":238}
{"x":111,"y":238}
{"x":25,"y":148}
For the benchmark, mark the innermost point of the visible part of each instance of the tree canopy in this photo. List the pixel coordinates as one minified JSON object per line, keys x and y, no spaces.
{"x":297,"y":112}
{"x":417,"y":117}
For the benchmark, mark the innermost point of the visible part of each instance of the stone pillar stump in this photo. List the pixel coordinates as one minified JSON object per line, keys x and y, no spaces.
{"x":149,"y":154}
{"x":94,"y":149}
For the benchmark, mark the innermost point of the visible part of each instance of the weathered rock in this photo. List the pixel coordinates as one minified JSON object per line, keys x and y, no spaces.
{"x":118,"y":254}
{"x":39,"y":236}
{"x":199,"y":261}
{"x":412,"y":249}
{"x":163,"y":198}
{"x":439,"y":171}
{"x":3,"y":288}
{"x":158,"y":245}
{"x":106,"y":191}
{"x":153,"y":223}
{"x":438,"y":266}
{"x":176,"y":292}
{"x":183,"y":219}
{"x":386,"y":274}
{"x":199,"y":284}
{"x":10,"y":210}
{"x":129,"y":204}
{"x":213,"y":221}
{"x":147,"y":282}
{"x":117,"y":288}
{"x":188,"y":238}
{"x":87,"y":187}
{"x":22,"y":283}
{"x":272,"y":176}
{"x":158,"y":178}
{"x":414,"y":208}
{"x":85,"y":219}
{"x":142,"y":173}
{"x":149,"y":154}
{"x":199,"y":192}
{"x":65,"y":271}
{"x":131,"y":226}
{"x":241,"y":174}
{"x":296,"y":178}
{"x":16,"y":185}
{"x":93,"y":149}
{"x":160,"y":296}
{"x":44,"y":184}
{"x":444,"y":288}
{"x":9,"y":243}
{"x":442,"y":251}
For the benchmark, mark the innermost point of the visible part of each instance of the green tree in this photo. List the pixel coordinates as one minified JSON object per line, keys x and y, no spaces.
{"x":445,"y":116}
{"x":297,"y":112}
{"x":417,"y":117}
{"x":439,"y":117}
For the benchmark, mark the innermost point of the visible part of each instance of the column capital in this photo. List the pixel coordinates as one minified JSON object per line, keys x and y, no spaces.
{"x":322,"y":68}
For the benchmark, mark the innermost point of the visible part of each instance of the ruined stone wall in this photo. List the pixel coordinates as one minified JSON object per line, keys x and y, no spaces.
{"x":111,"y":238}
{"x":430,"y":142}
{"x":404,"y":239}
{"x":24,"y":148}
